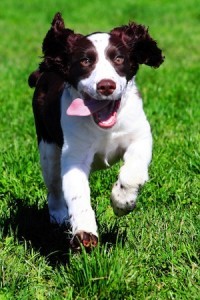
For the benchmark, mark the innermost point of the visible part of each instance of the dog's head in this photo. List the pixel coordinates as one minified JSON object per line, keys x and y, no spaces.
{"x":99,"y":65}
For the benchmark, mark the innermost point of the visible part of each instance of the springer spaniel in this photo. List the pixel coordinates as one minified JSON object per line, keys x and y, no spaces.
{"x":88,"y":115}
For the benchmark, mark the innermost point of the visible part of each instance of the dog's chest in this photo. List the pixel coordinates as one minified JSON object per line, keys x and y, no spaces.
{"x":107,"y":157}
{"x":84,"y":140}
{"x":108,"y":149}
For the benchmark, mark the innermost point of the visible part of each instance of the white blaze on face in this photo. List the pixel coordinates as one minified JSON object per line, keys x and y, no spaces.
{"x":103,"y":70}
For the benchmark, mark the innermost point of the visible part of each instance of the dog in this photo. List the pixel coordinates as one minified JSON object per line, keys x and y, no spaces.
{"x":88,"y":115}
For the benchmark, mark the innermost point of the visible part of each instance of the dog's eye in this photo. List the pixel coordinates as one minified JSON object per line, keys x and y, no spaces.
{"x":85,"y":62}
{"x":118,"y":60}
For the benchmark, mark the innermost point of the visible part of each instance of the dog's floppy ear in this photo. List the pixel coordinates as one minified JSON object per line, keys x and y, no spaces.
{"x":33,"y":78}
{"x":55,"y":37}
{"x":143,"y":49}
{"x":56,"y":46}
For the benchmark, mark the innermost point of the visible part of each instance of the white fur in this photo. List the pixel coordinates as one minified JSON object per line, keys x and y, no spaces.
{"x":50,"y":163}
{"x":130,"y":137}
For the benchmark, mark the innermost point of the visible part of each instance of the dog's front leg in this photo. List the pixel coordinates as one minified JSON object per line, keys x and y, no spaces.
{"x":81,"y":215}
{"x":132,"y":176}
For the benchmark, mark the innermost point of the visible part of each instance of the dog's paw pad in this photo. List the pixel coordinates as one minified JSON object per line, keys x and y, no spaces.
{"x":88,"y":240}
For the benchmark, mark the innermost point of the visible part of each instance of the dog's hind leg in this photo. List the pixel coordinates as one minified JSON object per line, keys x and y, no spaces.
{"x":50,"y":163}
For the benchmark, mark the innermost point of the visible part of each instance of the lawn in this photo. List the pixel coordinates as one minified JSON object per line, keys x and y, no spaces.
{"x":151,"y":253}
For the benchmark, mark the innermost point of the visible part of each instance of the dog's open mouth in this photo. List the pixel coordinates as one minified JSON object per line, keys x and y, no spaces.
{"x":104,"y":112}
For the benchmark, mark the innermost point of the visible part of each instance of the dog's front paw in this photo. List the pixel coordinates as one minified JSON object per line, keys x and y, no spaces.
{"x":123,"y":198}
{"x":87,"y":239}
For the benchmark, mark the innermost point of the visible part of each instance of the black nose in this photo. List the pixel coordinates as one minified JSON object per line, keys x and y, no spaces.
{"x":106,"y":87}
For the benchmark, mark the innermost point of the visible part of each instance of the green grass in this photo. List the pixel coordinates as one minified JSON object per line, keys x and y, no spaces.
{"x":151,"y":253}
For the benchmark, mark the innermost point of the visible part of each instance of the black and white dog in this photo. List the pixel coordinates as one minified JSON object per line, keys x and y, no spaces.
{"x":89,"y":114}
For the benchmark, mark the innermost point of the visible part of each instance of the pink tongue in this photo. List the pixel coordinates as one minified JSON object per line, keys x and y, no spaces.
{"x":80,"y":107}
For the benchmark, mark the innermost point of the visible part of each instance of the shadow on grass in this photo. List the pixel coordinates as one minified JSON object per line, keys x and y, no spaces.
{"x":112,"y":235}
{"x":32,"y":225}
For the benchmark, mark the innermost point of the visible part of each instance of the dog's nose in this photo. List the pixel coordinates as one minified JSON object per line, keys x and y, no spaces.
{"x":106,"y":87}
